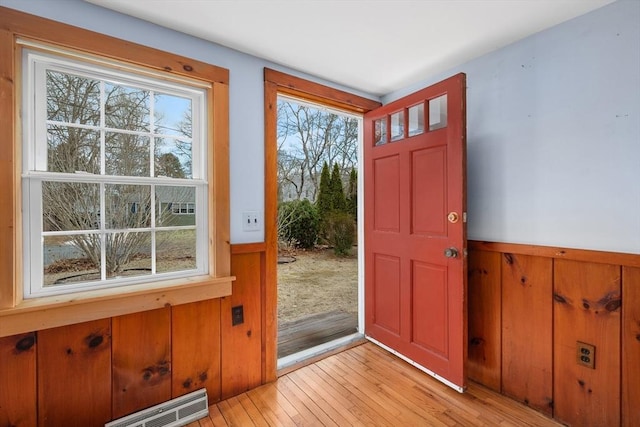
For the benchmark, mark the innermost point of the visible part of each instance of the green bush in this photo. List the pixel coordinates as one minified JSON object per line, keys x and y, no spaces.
{"x":298,"y":223}
{"x":341,"y":231}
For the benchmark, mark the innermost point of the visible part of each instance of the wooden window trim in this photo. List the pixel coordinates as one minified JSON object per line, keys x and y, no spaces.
{"x":18,"y":315}
{"x":276,"y":82}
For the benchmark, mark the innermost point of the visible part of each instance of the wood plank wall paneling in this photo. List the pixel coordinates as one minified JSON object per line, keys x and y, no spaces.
{"x":527,"y":320}
{"x":242,"y":344}
{"x":630,"y":346}
{"x":587,"y":300}
{"x":74,"y":375}
{"x":195,"y":348}
{"x":484,"y":332}
{"x":141,"y":360}
{"x":18,"y":380}
{"x":504,"y":317}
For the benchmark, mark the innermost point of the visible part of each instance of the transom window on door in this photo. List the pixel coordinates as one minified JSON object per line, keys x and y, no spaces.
{"x":114,"y":175}
{"x":411,"y":121}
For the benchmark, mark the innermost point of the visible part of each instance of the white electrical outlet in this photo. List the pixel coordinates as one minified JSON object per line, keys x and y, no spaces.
{"x":250,"y":221}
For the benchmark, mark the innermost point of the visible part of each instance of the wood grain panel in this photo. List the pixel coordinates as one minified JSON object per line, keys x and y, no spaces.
{"x":587,"y":300}
{"x":527,"y":330}
{"x":631,"y":347}
{"x":7,"y":171}
{"x":270,"y":257}
{"x":141,"y":360}
{"x":18,"y":380}
{"x":74,"y":375}
{"x":597,"y":257}
{"x":312,"y":91}
{"x":242,"y":344}
{"x":80,"y":39}
{"x":195,"y":348}
{"x":484,"y":362}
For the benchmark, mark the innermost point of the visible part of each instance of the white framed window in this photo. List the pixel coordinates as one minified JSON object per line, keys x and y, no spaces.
{"x":104,"y":149}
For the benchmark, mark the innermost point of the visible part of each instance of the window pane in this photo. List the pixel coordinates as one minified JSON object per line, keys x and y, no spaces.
{"x":126,"y":154}
{"x":126,"y":108}
{"x":73,"y":99}
{"x":175,"y":206}
{"x":72,"y":150}
{"x":438,"y":112}
{"x":380,"y":132}
{"x":172,"y":115}
{"x":128,"y":254}
{"x":175,"y":250}
{"x":127,"y":206}
{"x":397,"y":126}
{"x":70,"y":206}
{"x":416,"y":119}
{"x":173,"y":158}
{"x":69,"y":259}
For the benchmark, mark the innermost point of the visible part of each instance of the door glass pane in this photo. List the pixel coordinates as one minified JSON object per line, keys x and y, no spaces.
{"x":175,"y":250}
{"x":397,"y":126}
{"x":380,"y":131}
{"x":416,"y":119}
{"x":438,"y":112}
{"x":71,"y":258}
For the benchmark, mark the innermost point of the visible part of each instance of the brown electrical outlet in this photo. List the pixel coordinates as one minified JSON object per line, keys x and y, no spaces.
{"x":586,"y":355}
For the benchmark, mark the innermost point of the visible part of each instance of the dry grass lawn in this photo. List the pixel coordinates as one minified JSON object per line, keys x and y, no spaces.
{"x":317,"y":282}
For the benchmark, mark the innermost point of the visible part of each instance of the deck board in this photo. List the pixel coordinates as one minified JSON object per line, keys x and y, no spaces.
{"x":314,"y":330}
{"x":365,"y":385}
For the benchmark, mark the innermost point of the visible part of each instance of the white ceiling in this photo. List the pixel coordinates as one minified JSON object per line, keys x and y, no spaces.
{"x":376,"y":46}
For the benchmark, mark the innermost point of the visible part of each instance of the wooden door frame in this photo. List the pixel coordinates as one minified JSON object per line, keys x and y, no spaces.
{"x":276,"y":82}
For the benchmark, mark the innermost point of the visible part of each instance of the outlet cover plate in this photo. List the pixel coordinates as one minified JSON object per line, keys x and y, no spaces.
{"x":586,"y":354}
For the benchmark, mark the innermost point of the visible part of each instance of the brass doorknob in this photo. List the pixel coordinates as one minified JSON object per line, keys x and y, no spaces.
{"x":453,"y":217}
{"x":451,"y":253}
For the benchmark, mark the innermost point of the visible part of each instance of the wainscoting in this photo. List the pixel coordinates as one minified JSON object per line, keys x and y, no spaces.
{"x":90,"y":373}
{"x":528,"y":308}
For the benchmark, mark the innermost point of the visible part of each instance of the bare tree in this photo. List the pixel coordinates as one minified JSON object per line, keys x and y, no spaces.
{"x":74,"y":104}
{"x":308,"y":137}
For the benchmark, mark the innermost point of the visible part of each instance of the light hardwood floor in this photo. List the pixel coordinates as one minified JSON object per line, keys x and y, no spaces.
{"x":366,"y":385}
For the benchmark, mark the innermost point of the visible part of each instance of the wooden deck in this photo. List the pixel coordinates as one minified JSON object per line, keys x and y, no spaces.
{"x":314,"y":330}
{"x":366,"y":385}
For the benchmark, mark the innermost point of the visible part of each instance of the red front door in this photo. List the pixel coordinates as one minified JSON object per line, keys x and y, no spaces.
{"x":415,"y":228}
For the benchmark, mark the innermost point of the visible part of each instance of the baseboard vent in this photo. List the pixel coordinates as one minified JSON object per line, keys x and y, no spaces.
{"x":173,"y":413}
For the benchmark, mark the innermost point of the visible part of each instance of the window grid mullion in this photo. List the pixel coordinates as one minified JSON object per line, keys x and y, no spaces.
{"x":36,"y":170}
{"x":103,"y":236}
{"x":152,"y":202}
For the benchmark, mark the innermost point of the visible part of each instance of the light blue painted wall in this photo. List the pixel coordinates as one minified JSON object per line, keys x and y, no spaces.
{"x":553,"y":126}
{"x":246,"y":91}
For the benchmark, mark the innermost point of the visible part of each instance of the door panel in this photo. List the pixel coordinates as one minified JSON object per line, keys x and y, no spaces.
{"x":387,"y":293}
{"x":387,"y":194}
{"x":415,"y":203}
{"x":428,"y":196}
{"x":429,"y":302}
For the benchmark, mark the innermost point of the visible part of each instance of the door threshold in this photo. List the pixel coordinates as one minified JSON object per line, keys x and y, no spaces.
{"x":311,"y":355}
